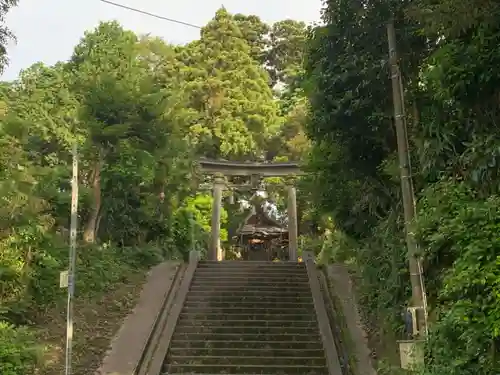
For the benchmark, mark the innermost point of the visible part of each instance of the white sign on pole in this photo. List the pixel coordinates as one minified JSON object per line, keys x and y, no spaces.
{"x":63,"y":279}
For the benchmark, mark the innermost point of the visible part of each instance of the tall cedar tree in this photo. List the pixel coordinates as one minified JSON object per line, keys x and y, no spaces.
{"x":237,"y":111}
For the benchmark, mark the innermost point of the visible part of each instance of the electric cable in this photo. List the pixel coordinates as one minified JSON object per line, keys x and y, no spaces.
{"x":136,"y":10}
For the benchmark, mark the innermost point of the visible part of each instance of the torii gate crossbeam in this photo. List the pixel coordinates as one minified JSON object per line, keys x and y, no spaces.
{"x":230,"y":168}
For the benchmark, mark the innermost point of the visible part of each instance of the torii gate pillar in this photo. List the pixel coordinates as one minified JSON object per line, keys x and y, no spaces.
{"x":293,"y":240}
{"x":215,"y":248}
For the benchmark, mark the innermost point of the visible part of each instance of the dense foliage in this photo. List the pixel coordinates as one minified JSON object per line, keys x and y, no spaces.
{"x":448,"y":52}
{"x":141,"y":112}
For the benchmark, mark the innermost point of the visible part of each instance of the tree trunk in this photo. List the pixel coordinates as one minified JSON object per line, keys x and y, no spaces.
{"x":97,"y":226}
{"x":89,"y":233}
{"x":416,"y":115}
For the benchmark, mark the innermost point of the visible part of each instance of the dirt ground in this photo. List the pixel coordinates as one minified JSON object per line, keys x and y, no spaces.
{"x":96,"y":322}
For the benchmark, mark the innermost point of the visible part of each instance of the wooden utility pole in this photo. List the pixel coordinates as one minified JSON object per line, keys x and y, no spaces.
{"x":416,"y":277}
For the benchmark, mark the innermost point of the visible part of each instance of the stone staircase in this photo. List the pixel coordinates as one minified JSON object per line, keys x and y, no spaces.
{"x":247,"y":318}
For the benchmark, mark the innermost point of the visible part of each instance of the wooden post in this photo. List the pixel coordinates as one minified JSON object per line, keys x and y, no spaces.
{"x":216,"y":212}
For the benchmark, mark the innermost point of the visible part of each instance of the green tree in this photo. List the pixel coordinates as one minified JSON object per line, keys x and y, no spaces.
{"x":134,"y":121}
{"x":287,"y":42}
{"x":255,"y":32}
{"x":450,"y":79}
{"x":351,"y":115}
{"x":140,"y":111}
{"x":5,"y":33}
{"x":237,"y":111}
{"x":452,"y":18}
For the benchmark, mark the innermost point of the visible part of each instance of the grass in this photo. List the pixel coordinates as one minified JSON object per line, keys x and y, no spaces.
{"x":96,"y":321}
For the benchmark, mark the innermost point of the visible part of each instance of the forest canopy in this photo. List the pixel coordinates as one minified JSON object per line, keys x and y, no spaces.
{"x":141,"y":112}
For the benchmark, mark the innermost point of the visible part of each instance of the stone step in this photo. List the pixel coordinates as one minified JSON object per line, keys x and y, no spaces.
{"x":228,"y":336}
{"x":285,"y":287}
{"x":231,"y":271}
{"x":249,"y":264}
{"x":208,"y":272}
{"x":250,"y":311}
{"x":196,"y":315}
{"x":249,"y":304}
{"x":218,"y":293}
{"x":251,"y":283}
{"x":279,"y":271}
{"x":239,"y":298}
{"x":248,"y":279}
{"x":247,"y":323}
{"x":268,"y":351}
{"x":261,"y":270}
{"x":293,"y":288}
{"x":254,"y":282}
{"x":216,"y":330}
{"x":307,"y":344}
{"x":246,"y":369}
{"x":235,"y":360}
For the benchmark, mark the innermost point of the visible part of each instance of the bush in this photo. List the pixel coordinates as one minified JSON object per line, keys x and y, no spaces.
{"x":460,"y":235}
{"x":99,"y":268}
{"x":18,"y":350}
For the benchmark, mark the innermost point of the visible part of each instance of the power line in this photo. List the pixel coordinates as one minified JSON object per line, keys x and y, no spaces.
{"x":162,"y":17}
{"x":151,"y":14}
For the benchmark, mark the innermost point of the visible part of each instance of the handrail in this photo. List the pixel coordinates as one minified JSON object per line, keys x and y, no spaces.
{"x":334,"y":323}
{"x":343,"y":296}
{"x":159,"y":324}
{"x":331,"y":354}
{"x":161,"y":349}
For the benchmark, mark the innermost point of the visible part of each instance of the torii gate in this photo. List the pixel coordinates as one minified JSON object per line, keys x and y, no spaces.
{"x":220,"y":169}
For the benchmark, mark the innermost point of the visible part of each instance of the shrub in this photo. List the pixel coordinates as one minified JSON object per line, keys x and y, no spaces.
{"x":18,"y":350}
{"x":460,"y":235}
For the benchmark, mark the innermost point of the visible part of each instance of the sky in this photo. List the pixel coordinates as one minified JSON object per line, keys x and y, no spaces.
{"x":48,"y":30}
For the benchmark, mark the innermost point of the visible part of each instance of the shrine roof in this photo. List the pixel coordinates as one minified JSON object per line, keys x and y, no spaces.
{"x":259,"y":223}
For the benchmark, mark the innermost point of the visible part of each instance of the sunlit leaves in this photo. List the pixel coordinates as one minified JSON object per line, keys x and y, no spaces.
{"x":230,"y":91}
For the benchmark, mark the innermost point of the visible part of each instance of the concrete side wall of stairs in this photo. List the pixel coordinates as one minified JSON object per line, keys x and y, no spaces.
{"x":342,"y":288}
